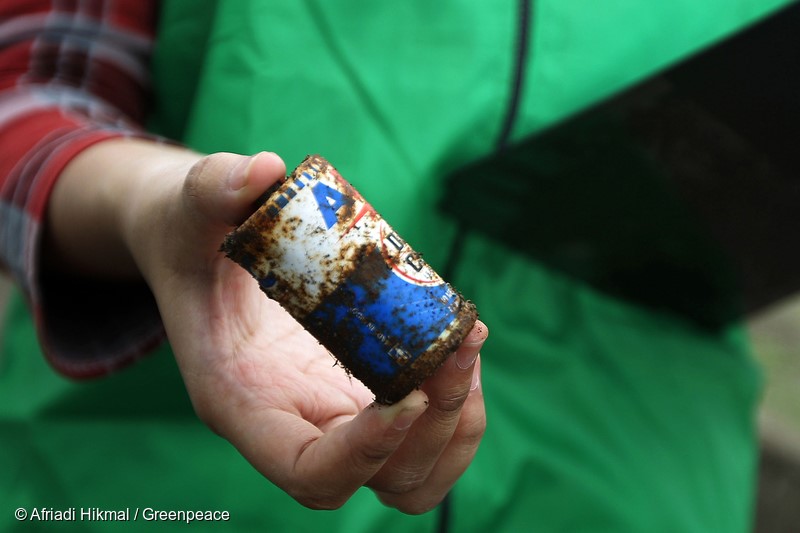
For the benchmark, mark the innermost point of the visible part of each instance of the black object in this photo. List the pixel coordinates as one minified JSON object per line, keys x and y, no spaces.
{"x":682,"y":193}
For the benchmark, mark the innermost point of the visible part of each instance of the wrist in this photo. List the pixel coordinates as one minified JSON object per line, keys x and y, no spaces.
{"x":147,"y":213}
{"x":105,"y":202}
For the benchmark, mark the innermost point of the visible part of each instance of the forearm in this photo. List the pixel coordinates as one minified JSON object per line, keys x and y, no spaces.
{"x":94,"y":215}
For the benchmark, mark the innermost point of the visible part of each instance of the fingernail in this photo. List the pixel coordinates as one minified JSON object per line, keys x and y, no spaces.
{"x":237,"y":177}
{"x":406,"y":411}
{"x":406,"y":418}
{"x":476,"y":378}
{"x":466,"y":356}
{"x":468,"y":352}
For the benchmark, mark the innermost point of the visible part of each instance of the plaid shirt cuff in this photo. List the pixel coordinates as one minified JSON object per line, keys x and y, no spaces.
{"x":60,"y":93}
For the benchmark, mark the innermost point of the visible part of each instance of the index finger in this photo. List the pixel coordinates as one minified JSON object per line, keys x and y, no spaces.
{"x":322,"y":470}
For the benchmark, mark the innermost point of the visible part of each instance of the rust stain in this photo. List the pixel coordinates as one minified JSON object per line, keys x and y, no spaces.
{"x":295,"y":264}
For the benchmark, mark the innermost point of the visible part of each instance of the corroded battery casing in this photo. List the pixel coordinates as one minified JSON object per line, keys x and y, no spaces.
{"x":323,"y":253}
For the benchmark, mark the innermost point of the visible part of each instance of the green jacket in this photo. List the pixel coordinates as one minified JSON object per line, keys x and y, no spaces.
{"x":604,"y":414}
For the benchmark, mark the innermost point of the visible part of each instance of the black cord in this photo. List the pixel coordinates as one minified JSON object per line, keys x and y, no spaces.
{"x":523,"y":38}
{"x":503,"y":140}
{"x":443,"y":524}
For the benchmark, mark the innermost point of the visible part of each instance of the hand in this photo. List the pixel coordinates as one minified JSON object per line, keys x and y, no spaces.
{"x":261,"y":381}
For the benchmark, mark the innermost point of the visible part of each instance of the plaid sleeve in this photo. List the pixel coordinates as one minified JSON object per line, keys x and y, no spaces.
{"x":72,"y":73}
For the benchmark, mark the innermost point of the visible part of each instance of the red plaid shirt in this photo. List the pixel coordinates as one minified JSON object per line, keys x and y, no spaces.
{"x":72,"y":73}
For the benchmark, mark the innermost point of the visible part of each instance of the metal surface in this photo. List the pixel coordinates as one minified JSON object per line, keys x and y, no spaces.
{"x":318,"y":248}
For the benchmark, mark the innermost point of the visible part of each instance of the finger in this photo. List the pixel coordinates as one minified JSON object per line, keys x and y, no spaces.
{"x":453,"y":462}
{"x":447,"y":391}
{"x":322,"y":470}
{"x":221,"y":188}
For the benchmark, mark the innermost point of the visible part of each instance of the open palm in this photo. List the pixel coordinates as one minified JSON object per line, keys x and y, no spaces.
{"x":260,"y":380}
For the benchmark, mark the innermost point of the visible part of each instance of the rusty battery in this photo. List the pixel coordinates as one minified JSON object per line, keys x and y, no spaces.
{"x":327,"y":257}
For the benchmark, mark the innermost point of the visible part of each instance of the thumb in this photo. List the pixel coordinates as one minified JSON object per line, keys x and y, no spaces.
{"x":221,"y":189}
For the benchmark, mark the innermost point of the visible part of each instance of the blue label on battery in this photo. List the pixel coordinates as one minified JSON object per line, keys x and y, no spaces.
{"x":380,"y":321}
